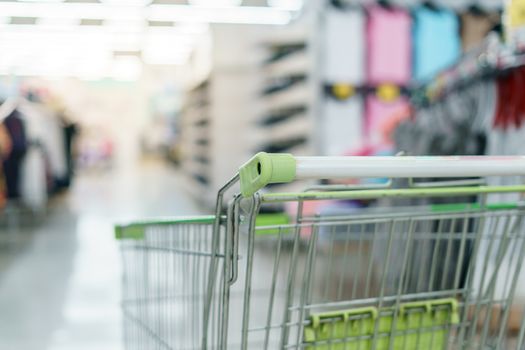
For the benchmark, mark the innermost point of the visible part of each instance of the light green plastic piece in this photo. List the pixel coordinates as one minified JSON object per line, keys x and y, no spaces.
{"x":264,"y":169}
{"x":340,"y":325}
{"x":132,"y":232}
{"x":419,"y":325}
{"x":137,"y":230}
{"x":390,"y":193}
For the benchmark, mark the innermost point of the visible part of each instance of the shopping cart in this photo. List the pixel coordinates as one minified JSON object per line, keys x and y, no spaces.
{"x":429,"y":266}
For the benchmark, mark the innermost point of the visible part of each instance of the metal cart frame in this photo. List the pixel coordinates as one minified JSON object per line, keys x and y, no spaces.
{"x":218,"y":263}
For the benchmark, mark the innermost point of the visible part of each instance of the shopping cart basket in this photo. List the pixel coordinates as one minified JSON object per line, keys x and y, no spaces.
{"x":429,"y":266}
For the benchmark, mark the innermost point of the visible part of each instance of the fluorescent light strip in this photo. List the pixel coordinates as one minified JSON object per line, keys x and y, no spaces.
{"x":290,"y":5}
{"x":189,"y":30}
{"x":71,"y":10}
{"x":221,"y":3}
{"x":157,"y":12}
{"x":240,"y":14}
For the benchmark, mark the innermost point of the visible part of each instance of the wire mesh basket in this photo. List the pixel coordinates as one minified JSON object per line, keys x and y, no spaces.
{"x":428,"y":267}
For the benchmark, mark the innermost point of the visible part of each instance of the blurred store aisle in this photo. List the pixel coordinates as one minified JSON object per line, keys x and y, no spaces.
{"x":60,"y":286}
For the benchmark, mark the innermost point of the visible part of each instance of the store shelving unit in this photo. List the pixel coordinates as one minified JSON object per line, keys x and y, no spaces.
{"x":287,"y":94}
{"x":285,"y":123}
{"x":195,"y":126}
{"x":260,"y":94}
{"x":220,"y":108}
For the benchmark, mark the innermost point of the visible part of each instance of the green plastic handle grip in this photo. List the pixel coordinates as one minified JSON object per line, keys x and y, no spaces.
{"x":264,"y":169}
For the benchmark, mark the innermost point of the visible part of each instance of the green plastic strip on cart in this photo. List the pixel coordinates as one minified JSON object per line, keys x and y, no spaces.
{"x":136,"y":230}
{"x":391,"y":193}
{"x":419,"y":325}
{"x":264,"y":220}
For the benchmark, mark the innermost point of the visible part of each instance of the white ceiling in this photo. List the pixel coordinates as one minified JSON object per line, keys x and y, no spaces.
{"x":94,"y":39}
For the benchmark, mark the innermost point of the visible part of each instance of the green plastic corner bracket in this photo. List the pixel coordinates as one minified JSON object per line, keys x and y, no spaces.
{"x":131,"y":232}
{"x":264,"y":169}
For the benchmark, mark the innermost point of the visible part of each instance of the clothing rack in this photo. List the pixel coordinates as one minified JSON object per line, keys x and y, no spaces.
{"x":39,"y":160}
{"x":7,"y":107}
{"x":359,"y":96}
{"x":473,"y":6}
{"x":473,"y":108}
{"x":494,"y":59}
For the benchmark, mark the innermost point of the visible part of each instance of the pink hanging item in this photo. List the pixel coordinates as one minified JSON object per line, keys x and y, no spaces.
{"x":389,"y":45}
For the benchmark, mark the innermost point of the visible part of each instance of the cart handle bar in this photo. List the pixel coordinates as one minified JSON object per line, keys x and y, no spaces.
{"x":265,"y":168}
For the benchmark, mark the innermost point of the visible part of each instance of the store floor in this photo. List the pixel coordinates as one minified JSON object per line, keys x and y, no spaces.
{"x":60,"y":281}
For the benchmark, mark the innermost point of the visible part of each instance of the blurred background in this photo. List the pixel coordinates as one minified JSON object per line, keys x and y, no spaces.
{"x":121,"y":109}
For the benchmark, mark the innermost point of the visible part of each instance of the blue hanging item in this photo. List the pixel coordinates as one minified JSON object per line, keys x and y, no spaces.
{"x":437,"y":43}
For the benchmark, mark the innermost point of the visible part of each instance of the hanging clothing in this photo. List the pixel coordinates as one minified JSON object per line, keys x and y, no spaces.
{"x":507,"y":136}
{"x":475,"y":28}
{"x":344,"y":49}
{"x":45,"y":159}
{"x":376,"y":112}
{"x":345,"y":55}
{"x":508,"y":142}
{"x":45,"y":128}
{"x":406,"y":3}
{"x":34,"y":182}
{"x":510,"y":111}
{"x":70,"y":131}
{"x":12,"y":164}
{"x":458,"y":125}
{"x":5,"y":150}
{"x":342,"y":125}
{"x":389,"y":46}
{"x":436,"y":41}
{"x":5,"y":142}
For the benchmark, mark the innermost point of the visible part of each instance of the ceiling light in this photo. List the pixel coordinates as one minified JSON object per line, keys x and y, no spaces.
{"x":211,"y":13}
{"x":124,"y":26}
{"x":240,"y":14}
{"x":127,"y":2}
{"x":58,"y":22}
{"x":290,"y":5}
{"x":216,"y":3}
{"x":70,"y":10}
